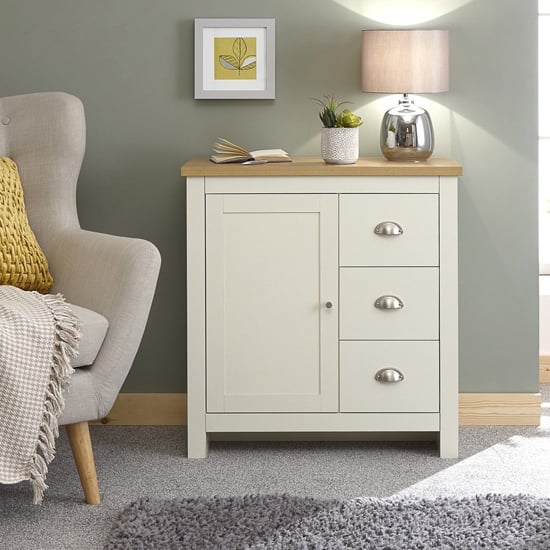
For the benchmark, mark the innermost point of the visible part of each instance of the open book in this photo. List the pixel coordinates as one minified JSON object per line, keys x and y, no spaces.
{"x":225,"y":151}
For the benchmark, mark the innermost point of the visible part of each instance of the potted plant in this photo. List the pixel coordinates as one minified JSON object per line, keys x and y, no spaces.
{"x":340,"y":132}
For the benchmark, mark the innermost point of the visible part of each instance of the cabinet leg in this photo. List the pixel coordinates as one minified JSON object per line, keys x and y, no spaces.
{"x":448,"y":445}
{"x":197,"y":443}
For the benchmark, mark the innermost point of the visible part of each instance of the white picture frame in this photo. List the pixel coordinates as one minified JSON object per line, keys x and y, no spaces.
{"x":235,"y":58}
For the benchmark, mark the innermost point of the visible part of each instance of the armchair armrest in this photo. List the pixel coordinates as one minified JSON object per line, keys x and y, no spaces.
{"x":93,"y":269}
{"x":115,"y":276}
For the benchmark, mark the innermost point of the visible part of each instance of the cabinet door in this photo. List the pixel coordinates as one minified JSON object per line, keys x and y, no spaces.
{"x":271,"y":269}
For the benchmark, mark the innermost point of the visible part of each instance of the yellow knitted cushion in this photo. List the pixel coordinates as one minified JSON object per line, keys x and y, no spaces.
{"x":22,"y":262}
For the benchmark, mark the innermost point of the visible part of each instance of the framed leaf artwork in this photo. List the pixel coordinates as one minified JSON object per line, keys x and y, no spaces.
{"x":234,"y":58}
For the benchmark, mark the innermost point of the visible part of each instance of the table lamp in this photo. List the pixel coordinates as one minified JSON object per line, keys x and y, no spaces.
{"x":405,"y":62}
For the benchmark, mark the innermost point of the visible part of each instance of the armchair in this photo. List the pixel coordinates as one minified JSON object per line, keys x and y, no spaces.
{"x":44,"y":133}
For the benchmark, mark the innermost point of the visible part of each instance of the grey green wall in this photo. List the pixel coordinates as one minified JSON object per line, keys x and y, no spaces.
{"x":131,"y":62}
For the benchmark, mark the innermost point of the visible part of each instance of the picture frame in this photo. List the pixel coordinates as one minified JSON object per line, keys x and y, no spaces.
{"x":235,"y":58}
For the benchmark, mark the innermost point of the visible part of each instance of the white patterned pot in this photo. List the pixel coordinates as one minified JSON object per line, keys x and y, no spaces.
{"x":340,"y":145}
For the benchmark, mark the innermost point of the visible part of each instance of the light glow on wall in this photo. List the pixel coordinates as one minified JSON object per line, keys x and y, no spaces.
{"x":402,"y":12}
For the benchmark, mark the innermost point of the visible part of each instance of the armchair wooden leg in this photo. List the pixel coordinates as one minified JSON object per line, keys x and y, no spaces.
{"x":81,"y":445}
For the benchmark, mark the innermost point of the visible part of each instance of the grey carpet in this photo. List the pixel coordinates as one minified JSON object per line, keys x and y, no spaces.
{"x":286,"y":522}
{"x":133,"y":462}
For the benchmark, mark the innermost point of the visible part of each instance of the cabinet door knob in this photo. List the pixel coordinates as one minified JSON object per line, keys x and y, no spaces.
{"x":389,"y":376}
{"x":328,"y":305}
{"x":388,"y":302}
{"x":388,"y":229}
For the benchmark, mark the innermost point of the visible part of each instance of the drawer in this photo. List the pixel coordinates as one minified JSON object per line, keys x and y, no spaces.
{"x":416,"y":214}
{"x":416,"y":288}
{"x":418,"y":391}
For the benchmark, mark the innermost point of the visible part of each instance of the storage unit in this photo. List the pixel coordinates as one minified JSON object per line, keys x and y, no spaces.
{"x":322,"y":298}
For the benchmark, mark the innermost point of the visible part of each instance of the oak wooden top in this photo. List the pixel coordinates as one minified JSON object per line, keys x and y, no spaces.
{"x":315,"y":166}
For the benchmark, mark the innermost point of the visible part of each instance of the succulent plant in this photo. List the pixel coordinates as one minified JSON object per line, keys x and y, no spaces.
{"x":331,"y":118}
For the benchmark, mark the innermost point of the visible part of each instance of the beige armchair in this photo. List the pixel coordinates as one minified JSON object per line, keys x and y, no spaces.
{"x":110,"y":279}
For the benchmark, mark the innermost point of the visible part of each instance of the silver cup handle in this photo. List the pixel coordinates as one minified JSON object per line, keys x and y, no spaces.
{"x":389,"y":376}
{"x":388,"y":229}
{"x":388,"y":302}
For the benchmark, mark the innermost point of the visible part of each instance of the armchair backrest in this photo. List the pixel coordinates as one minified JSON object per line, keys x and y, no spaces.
{"x":45,"y":134}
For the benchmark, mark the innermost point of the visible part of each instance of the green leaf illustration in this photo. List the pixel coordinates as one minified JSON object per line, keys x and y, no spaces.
{"x":249,"y":63}
{"x":239,"y":49}
{"x":239,"y":61}
{"x":229,"y":62}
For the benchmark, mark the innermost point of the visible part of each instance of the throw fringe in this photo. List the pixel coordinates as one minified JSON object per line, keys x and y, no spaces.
{"x":67,"y":334}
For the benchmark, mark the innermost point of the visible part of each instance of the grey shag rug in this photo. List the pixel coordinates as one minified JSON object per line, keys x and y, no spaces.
{"x":287,"y":522}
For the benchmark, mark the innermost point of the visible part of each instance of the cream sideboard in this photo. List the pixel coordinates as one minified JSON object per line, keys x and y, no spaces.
{"x":322,"y":298}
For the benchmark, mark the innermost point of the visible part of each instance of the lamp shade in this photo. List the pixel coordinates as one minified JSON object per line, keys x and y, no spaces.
{"x":405,"y":61}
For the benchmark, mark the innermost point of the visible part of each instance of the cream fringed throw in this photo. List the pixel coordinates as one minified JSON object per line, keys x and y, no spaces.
{"x":38,"y":335}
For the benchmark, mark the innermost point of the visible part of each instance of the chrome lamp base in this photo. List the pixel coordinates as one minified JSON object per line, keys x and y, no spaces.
{"x":406,"y":133}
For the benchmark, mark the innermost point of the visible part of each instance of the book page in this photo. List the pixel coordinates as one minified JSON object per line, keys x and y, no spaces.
{"x":269,"y":153}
